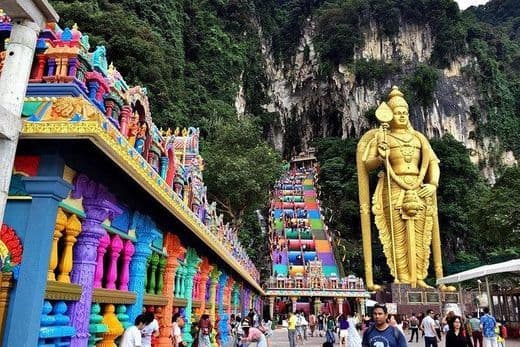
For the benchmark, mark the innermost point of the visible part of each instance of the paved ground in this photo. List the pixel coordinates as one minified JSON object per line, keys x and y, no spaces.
{"x":279,"y":339}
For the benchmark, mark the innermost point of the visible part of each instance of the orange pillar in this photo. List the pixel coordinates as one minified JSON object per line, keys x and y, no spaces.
{"x":204,"y":269}
{"x":175,"y":250}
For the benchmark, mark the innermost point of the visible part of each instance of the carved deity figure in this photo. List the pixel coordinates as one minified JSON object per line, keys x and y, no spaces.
{"x":404,"y":203}
{"x":141,"y":137}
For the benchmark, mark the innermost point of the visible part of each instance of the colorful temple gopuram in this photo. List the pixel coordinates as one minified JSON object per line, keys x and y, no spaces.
{"x":305,"y":274}
{"x":107,"y":215}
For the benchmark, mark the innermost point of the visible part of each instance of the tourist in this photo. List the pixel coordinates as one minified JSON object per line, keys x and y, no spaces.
{"x":291,"y":329}
{"x":331,"y":326}
{"x":413,"y":324}
{"x":312,"y":323}
{"x":343,"y":330}
{"x":320,"y":324}
{"x":177,"y":325}
{"x":252,"y":334}
{"x":457,"y":336}
{"x":487,"y":324}
{"x":300,"y":328}
{"x":428,"y":328}
{"x":353,"y":340}
{"x":382,"y":334}
{"x":501,"y":333}
{"x":476,"y":332}
{"x":266,"y":328}
{"x":437,"y":321}
{"x":204,"y":331}
{"x":132,"y":334}
{"x":149,"y":330}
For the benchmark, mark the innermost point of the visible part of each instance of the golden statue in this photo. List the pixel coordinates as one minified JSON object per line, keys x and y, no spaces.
{"x":404,"y":202}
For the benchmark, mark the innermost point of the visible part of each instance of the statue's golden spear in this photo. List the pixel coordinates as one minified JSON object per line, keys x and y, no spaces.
{"x":384,"y":115}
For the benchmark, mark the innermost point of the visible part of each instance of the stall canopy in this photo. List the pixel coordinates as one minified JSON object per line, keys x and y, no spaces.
{"x":482,"y":271}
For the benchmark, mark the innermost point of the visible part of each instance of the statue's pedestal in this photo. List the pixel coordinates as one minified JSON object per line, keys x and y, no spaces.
{"x":408,"y":300}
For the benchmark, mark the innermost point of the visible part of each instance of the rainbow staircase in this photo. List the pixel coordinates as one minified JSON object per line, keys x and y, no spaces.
{"x":299,"y":232}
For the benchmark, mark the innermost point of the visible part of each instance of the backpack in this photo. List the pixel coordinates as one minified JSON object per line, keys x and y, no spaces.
{"x":414,"y":322}
{"x":364,"y":342}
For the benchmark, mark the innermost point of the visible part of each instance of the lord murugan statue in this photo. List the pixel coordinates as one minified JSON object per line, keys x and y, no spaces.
{"x":404,"y":202}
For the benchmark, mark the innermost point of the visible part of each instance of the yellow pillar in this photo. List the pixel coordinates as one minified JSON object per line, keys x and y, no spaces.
{"x":294,"y":300}
{"x":61,"y":221}
{"x":115,"y":328}
{"x":271,"y":307}
{"x":72,"y":230}
{"x":340,"y":305}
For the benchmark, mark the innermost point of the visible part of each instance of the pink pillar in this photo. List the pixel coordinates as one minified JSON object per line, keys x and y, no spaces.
{"x":115,"y":251}
{"x":102,"y":248}
{"x":126,"y":112}
{"x":124,"y":276}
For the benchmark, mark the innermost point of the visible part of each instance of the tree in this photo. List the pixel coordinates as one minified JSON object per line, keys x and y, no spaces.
{"x":240,"y":168}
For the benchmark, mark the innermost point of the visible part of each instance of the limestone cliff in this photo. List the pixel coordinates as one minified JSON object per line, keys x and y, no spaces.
{"x":308,"y":106}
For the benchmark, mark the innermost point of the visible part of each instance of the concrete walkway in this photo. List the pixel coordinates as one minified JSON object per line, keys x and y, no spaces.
{"x":280,"y":339}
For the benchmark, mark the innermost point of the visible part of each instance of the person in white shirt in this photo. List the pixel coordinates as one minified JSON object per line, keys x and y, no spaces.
{"x":428,"y":327}
{"x":132,"y":334}
{"x":150,"y":330}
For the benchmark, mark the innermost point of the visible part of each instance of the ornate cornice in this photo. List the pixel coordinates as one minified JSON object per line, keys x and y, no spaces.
{"x":155,"y":300}
{"x":109,"y":296}
{"x":109,"y":140}
{"x":62,"y":291}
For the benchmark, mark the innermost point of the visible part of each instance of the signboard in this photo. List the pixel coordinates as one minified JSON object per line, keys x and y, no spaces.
{"x":432,"y":297}
{"x":451,"y":298}
{"x":391,"y":307}
{"x":414,"y":297}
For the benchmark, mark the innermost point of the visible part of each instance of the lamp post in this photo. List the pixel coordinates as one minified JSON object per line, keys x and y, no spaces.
{"x":478,"y":301}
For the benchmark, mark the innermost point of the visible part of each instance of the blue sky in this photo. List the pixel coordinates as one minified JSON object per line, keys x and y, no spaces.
{"x":463,"y":4}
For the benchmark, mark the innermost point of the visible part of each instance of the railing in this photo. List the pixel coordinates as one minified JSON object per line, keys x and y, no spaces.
{"x":304,"y":282}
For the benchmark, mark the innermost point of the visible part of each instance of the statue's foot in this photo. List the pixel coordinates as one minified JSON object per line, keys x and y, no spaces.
{"x":422,"y":284}
{"x":374,"y":287}
{"x":445,"y":288}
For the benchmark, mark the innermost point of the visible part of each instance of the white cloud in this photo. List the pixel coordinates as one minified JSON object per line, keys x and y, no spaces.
{"x":464,"y":4}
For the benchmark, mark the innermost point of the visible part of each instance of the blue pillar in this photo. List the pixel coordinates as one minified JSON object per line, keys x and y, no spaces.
{"x":26,"y":300}
{"x":146,"y":232}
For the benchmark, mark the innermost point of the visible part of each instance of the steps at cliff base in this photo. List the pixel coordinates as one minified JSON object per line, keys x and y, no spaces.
{"x":294,"y":202}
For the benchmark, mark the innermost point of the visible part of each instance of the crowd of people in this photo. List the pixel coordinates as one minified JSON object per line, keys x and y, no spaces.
{"x":389,"y":330}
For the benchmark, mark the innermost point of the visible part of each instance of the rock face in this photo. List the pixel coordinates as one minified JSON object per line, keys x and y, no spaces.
{"x":309,"y":107}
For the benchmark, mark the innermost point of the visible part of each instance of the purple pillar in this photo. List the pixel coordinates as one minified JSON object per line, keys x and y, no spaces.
{"x":98,"y":205}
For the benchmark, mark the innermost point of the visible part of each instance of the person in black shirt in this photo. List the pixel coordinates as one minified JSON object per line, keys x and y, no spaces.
{"x":457,"y":336}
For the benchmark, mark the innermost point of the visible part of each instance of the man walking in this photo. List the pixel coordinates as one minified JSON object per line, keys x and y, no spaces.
{"x":428,"y":327}
{"x":291,"y":329}
{"x":382,"y":334}
{"x":414,"y":328}
{"x":488,"y":324}
{"x":476,"y":332}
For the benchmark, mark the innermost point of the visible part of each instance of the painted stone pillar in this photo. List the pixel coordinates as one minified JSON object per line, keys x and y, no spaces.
{"x":104,"y":242}
{"x":236,"y":298}
{"x":98,"y":205}
{"x":116,"y":246}
{"x":26,"y":299}
{"x":146,"y":232}
{"x":72,"y":230}
{"x":192,"y":264}
{"x":229,"y":290}
{"x":221,"y":291}
{"x":271,"y":307}
{"x":174,"y":250}
{"x":340,"y":305}
{"x":215,"y":274}
{"x":294,"y":300}
{"x":204,"y":271}
{"x":124,"y":277}
{"x":317,"y":306}
{"x":362,"y":307}
{"x":179,"y":281}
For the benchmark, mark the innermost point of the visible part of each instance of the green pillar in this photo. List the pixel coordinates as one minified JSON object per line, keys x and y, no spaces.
{"x":192,"y":265}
